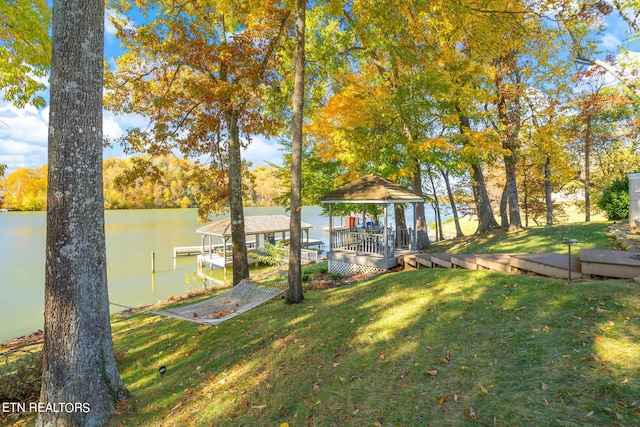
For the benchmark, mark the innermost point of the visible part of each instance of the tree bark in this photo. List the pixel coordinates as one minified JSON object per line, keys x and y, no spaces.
{"x":422,"y":238}
{"x":236,"y":210}
{"x":486,"y":219}
{"x":294,"y":292}
{"x":587,"y":172}
{"x":452,"y":202}
{"x":78,"y":360}
{"x":547,"y":190}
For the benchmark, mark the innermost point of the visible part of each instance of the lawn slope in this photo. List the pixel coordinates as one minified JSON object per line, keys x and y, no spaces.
{"x":425,"y":347}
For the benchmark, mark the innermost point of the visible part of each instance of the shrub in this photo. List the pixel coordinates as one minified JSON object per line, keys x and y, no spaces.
{"x":615,"y":200}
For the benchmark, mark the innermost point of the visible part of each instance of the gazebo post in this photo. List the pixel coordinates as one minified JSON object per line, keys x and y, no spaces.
{"x":414,"y":244}
{"x":364,"y":216}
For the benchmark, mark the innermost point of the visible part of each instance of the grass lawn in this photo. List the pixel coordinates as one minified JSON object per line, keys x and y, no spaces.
{"x":415,"y":348}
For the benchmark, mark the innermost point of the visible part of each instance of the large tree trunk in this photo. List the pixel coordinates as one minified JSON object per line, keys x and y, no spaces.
{"x":515,"y":221}
{"x":236,"y":210}
{"x":78,"y":362}
{"x":486,"y":219}
{"x":547,"y":190}
{"x":422,"y":238}
{"x":504,"y":210}
{"x":294,"y":292}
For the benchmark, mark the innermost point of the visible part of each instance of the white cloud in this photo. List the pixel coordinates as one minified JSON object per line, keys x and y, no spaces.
{"x":610,"y":42}
{"x":260,"y":151}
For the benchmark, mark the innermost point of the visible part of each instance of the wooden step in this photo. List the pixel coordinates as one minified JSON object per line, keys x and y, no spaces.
{"x":441,"y":260}
{"x":610,"y":263}
{"x":467,"y":261}
{"x":496,"y":262}
{"x":548,"y":264}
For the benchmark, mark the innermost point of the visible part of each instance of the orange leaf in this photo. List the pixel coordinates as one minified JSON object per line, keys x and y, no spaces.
{"x":432,"y":372}
{"x":442,"y":399}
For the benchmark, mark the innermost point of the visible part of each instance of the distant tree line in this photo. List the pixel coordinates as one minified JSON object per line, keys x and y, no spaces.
{"x":170,"y":183}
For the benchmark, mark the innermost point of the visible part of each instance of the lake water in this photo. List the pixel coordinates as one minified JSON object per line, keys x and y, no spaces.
{"x":132,"y":235}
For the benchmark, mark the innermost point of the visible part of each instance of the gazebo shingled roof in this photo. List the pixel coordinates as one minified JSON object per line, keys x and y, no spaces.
{"x":372,"y":189}
{"x":253,"y":224}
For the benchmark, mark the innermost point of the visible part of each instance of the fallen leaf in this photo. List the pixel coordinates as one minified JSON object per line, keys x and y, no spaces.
{"x":432,"y":372}
{"x":595,"y":357}
{"x":260,"y":407}
{"x":546,"y":402}
{"x":442,"y":399}
{"x":177,"y":406}
{"x":381,"y":357}
{"x":355,"y":412}
{"x":544,"y":386}
{"x":472,"y":413}
{"x":316,"y":387}
{"x":590,"y":414}
{"x":455,"y":397}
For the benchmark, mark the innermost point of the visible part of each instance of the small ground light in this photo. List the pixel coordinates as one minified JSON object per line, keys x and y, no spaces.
{"x":162,"y":370}
{"x":569,"y":243}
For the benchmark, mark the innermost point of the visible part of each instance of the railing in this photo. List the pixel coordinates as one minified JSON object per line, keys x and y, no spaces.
{"x":364,"y":242}
{"x":308,"y":255}
{"x":405,"y":238}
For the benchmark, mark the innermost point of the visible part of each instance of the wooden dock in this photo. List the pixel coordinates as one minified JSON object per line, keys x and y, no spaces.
{"x":200,"y":250}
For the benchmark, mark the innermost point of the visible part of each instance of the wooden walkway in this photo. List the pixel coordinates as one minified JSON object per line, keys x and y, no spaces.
{"x":591,"y":263}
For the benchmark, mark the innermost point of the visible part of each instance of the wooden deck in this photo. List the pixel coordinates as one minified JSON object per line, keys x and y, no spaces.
{"x":590,"y":263}
{"x":608,"y":263}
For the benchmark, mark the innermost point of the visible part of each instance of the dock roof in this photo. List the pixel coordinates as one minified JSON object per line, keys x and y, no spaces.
{"x":253,"y":224}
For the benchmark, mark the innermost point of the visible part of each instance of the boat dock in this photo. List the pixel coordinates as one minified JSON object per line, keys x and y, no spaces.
{"x":202,"y":250}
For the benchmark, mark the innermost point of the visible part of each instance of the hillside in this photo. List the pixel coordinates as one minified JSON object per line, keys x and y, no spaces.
{"x":426,"y":347}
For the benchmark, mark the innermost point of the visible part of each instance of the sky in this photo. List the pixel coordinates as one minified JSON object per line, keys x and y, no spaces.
{"x":23,"y":131}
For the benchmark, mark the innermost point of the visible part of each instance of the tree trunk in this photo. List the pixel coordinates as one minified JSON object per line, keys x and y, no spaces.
{"x":513,"y":201}
{"x":587,"y":172}
{"x":78,"y":361}
{"x":504,"y":211}
{"x":452,"y":202}
{"x":486,"y":219}
{"x":547,"y":190}
{"x":236,"y":210}
{"x":294,"y":292}
{"x":422,"y":238}
{"x":401,"y":222}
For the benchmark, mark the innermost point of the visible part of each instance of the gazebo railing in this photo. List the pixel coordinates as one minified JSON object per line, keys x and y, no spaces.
{"x":363,"y":242}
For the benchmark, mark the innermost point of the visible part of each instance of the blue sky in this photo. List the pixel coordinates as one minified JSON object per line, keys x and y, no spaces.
{"x":23,"y":131}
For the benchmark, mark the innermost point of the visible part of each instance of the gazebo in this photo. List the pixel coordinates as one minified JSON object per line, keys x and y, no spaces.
{"x":354,"y":250}
{"x":261,"y":227}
